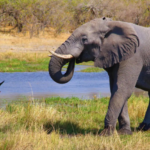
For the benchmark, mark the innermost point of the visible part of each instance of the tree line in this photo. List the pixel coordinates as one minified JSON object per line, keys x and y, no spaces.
{"x":66,"y":15}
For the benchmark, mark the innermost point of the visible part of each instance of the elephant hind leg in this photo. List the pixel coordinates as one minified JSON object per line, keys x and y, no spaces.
{"x":145,"y":125}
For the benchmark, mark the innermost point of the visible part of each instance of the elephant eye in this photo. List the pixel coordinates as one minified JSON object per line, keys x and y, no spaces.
{"x":85,"y":40}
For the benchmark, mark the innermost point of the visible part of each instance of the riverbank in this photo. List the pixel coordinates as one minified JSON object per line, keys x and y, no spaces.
{"x":20,"y":53}
{"x":32,"y":62}
{"x":67,"y":123}
{"x":23,"y":61}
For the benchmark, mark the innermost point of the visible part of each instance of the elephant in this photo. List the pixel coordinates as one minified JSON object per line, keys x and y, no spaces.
{"x":123,"y":50}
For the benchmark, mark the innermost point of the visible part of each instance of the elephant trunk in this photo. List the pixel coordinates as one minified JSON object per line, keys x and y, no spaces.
{"x":56,"y":64}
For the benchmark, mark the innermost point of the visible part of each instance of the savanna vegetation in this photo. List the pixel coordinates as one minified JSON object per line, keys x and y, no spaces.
{"x":23,"y":62}
{"x":51,"y":17}
{"x":92,"y":69}
{"x":66,"y":15}
{"x":68,"y":123}
{"x":62,"y":123}
{"x":32,"y":62}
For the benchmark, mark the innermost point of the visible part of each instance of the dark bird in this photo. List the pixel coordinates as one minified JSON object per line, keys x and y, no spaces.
{"x":1,"y":83}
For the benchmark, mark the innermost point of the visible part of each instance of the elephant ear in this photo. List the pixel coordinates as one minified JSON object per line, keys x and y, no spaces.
{"x":119,"y":42}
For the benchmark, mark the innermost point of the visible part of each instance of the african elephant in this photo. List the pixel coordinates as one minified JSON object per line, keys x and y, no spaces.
{"x":123,"y":50}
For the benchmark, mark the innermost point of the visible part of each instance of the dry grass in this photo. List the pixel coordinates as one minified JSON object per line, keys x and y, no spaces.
{"x":23,"y":126}
{"x":27,"y":119}
{"x":21,"y":47}
{"x":17,"y":42}
{"x":20,"y":53}
{"x":27,"y":56}
{"x":40,"y":140}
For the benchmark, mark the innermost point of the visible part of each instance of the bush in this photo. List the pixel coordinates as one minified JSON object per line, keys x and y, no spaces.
{"x":66,"y":15}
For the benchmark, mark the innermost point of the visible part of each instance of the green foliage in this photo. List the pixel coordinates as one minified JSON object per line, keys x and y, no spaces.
{"x":17,"y":65}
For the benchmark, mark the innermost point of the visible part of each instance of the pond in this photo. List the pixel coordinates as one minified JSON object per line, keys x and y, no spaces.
{"x":40,"y":85}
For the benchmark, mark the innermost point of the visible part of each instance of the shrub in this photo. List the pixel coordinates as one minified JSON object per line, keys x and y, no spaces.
{"x":36,"y":15}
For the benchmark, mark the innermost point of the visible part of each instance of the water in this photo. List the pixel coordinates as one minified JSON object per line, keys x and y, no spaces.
{"x":40,"y":85}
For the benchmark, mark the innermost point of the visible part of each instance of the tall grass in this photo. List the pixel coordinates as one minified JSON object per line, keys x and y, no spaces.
{"x":68,"y":123}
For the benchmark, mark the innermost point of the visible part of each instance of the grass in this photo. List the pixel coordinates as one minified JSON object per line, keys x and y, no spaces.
{"x":92,"y":69}
{"x":23,"y":62}
{"x":26,"y":62}
{"x":68,"y":123}
{"x":89,"y":63}
{"x":19,"y":53}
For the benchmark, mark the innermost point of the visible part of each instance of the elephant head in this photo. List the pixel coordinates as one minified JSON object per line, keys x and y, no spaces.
{"x":101,"y":40}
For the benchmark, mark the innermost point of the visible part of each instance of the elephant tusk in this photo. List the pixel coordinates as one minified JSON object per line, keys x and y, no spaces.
{"x":67,"y":56}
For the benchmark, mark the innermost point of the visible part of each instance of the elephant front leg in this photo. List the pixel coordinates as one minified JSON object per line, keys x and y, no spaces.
{"x":124,"y":80}
{"x":124,"y":121}
{"x":115,"y":105}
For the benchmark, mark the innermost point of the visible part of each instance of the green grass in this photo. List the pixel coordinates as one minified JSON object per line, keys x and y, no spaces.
{"x":92,"y":69}
{"x":89,"y":63}
{"x":26,"y":62}
{"x":68,"y":123}
{"x":16,"y":65}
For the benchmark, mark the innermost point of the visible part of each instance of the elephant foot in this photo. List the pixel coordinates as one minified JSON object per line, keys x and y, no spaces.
{"x":124,"y":132}
{"x":143,"y":127}
{"x":108,"y":130}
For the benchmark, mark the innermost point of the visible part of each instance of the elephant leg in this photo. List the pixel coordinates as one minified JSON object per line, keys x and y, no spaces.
{"x":125,"y":78}
{"x":115,"y":106}
{"x":145,"y":125}
{"x":124,"y":120}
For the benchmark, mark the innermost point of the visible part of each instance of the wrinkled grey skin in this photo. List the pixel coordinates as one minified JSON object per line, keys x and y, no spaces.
{"x":123,"y":50}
